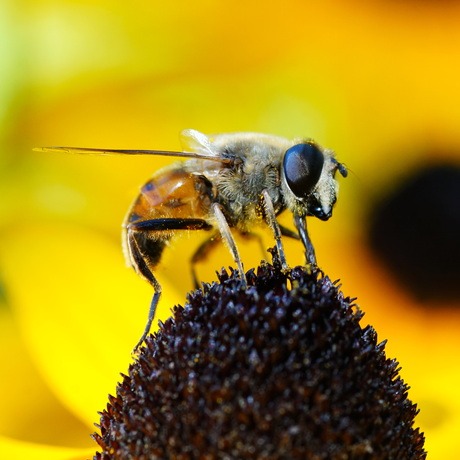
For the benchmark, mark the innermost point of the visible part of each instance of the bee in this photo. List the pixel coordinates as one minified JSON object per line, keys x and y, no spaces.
{"x":229,"y":182}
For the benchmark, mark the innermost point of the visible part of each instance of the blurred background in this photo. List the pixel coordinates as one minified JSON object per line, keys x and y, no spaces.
{"x":376,"y":81}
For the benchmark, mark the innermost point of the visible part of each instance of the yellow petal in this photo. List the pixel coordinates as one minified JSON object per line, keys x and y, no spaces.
{"x":12,"y":449}
{"x":27,"y":399}
{"x":80,"y":309}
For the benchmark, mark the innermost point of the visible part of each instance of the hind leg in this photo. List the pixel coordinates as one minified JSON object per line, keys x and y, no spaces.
{"x":142,"y":266}
{"x":146,"y":241}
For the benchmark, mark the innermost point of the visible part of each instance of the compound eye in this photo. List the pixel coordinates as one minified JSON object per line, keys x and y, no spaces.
{"x":303,"y":164}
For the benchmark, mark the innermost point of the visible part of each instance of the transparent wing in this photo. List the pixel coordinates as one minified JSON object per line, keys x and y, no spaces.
{"x":197,"y":142}
{"x":193,"y":140}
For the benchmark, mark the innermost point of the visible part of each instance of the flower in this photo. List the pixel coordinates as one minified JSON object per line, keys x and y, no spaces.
{"x":377,"y":83}
{"x":262,"y":371}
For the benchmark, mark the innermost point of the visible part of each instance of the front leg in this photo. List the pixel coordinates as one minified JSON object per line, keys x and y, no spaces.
{"x":301,"y":225}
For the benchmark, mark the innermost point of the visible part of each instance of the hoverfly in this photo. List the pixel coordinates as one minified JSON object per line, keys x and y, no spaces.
{"x":230,"y":181}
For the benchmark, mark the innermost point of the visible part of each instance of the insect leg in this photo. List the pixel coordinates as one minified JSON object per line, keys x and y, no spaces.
{"x":141,"y":265}
{"x":288,"y":232}
{"x":228,"y":237}
{"x":146,"y":252}
{"x":273,"y":223}
{"x":201,"y":253}
{"x":260,"y":241}
{"x":171,"y":223}
{"x":301,"y":225}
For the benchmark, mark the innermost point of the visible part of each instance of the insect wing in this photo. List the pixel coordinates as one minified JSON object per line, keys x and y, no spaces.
{"x":94,"y":151}
{"x":195,"y":141}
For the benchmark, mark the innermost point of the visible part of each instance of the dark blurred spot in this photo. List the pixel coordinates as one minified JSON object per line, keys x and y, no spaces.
{"x":416,"y":231}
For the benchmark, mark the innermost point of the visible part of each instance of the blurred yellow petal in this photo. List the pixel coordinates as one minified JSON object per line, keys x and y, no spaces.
{"x":80,"y":309}
{"x":437,"y":397}
{"x":29,"y":410}
{"x":377,"y":82}
{"x":18,"y":450}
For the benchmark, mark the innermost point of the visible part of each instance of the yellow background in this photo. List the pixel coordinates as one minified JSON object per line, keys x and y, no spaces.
{"x":376,"y":81}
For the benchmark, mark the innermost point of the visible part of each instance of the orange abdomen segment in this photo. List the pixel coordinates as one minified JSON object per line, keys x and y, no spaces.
{"x":169,"y":194}
{"x":172,"y":193}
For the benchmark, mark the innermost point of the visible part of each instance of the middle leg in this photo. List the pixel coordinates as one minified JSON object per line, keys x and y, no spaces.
{"x":228,"y":238}
{"x":201,"y":253}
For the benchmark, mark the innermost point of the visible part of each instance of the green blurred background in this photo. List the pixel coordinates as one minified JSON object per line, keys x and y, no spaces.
{"x":376,"y":81}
